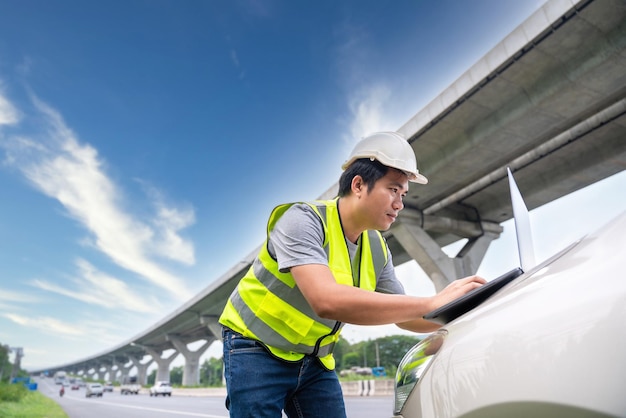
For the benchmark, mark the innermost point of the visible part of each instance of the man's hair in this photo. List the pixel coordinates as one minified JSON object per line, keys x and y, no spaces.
{"x":370,"y":171}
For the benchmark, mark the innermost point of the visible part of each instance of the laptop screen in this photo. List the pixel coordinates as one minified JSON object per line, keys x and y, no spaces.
{"x":521,"y":217}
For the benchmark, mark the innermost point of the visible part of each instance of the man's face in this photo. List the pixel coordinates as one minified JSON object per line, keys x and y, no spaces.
{"x":384,"y":201}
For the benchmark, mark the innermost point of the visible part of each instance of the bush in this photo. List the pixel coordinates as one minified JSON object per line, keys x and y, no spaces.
{"x":12,"y":392}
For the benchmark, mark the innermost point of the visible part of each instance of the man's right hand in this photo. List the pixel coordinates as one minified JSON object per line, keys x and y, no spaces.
{"x":456,"y":289}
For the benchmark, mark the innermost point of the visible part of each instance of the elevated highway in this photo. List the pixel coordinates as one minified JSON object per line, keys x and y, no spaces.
{"x":549,"y":101}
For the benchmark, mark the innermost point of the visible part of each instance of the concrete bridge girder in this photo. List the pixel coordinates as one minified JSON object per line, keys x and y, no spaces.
{"x":212,"y":323}
{"x":411,"y":232}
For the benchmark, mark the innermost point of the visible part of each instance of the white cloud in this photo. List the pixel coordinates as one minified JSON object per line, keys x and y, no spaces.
{"x":169,"y":220}
{"x":235,"y":60}
{"x":8,"y":113}
{"x":367,"y":108}
{"x":46,"y":324}
{"x":62,"y":167}
{"x":11,"y":300}
{"x":365,"y":97}
{"x":98,"y":288}
{"x":369,"y":97}
{"x":100,"y":333}
{"x":171,"y":244}
{"x":11,"y":296}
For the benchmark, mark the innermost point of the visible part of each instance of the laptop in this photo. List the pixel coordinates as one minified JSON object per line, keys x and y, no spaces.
{"x":472,"y":299}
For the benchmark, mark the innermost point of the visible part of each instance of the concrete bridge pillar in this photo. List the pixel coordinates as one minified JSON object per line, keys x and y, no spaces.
{"x":124,"y":371}
{"x":110,"y":371}
{"x":142,"y":369}
{"x":411,"y":233}
{"x":90,"y":374}
{"x":163,"y":364}
{"x":191,"y":370}
{"x":101,"y":372}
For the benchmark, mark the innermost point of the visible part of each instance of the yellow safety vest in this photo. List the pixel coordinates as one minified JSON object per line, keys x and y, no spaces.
{"x":267,"y":306}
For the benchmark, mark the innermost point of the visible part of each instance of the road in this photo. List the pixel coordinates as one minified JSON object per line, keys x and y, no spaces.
{"x":112,"y":404}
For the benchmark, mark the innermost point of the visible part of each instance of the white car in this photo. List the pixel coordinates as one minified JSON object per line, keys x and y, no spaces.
{"x":94,"y":389}
{"x":161,"y":388}
{"x":551,"y":343}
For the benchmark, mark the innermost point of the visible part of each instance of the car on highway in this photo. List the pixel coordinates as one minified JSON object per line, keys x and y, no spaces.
{"x":75,"y":386}
{"x":108,"y":387}
{"x":93,"y":389}
{"x":161,"y":388}
{"x":550,"y":343}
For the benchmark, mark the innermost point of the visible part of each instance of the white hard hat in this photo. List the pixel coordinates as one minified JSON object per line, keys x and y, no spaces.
{"x":390,"y":149}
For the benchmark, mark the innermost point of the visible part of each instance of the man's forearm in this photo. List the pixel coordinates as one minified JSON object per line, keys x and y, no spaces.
{"x":419,"y":325}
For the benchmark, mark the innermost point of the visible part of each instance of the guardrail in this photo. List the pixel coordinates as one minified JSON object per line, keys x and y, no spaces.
{"x":368,"y":387}
{"x":353,"y":388}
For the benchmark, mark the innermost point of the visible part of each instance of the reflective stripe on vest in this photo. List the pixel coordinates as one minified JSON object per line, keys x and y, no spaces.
{"x":274,"y":310}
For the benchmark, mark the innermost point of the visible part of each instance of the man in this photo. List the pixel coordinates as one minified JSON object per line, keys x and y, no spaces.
{"x":323,"y":264}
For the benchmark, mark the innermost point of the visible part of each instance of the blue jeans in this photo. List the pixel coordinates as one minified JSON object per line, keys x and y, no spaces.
{"x":261,"y":385}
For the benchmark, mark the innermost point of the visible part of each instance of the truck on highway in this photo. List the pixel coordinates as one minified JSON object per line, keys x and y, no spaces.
{"x":60,"y":378}
{"x":129,"y":386}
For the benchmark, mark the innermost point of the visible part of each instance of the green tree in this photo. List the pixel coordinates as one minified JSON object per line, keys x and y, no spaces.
{"x":341,"y":347}
{"x":152,"y":377}
{"x":211,"y":372}
{"x":176,"y":375}
{"x":350,"y":359}
{"x":391,"y":349}
{"x":5,"y":364}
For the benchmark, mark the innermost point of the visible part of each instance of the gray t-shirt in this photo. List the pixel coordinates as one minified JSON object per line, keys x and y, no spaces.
{"x":298,"y":238}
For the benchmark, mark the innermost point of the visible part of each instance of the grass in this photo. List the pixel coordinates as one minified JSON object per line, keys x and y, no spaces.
{"x":18,"y":402}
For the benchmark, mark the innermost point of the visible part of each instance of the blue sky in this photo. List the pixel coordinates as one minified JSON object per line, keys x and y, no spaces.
{"x":144,"y":143}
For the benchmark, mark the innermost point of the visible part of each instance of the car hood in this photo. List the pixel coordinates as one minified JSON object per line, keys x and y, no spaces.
{"x":554,"y":334}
